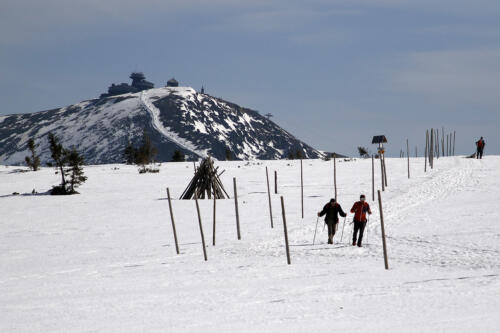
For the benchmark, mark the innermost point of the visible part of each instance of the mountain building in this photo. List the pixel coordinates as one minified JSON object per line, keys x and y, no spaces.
{"x":139,"y":83}
{"x":172,"y":83}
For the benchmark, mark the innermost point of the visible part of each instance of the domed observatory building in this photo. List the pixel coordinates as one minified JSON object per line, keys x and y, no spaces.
{"x":172,"y":83}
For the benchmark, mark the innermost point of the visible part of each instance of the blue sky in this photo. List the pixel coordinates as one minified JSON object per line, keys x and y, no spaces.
{"x":334,"y":73}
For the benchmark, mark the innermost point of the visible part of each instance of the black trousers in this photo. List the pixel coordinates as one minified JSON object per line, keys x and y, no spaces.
{"x":332,"y":227}
{"x":479,"y":153}
{"x":358,"y":226}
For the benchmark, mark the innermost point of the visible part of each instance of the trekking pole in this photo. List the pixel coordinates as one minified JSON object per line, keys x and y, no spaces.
{"x":315,"y":229}
{"x":343,"y":226}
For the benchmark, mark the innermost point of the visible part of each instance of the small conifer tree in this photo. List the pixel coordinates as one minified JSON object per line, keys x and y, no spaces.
{"x":74,"y":170}
{"x":129,"y":153}
{"x":178,"y":156}
{"x":298,"y":154}
{"x":363,"y":152}
{"x":146,"y":152}
{"x":228,"y":154}
{"x":58,"y":155}
{"x":33,"y":162}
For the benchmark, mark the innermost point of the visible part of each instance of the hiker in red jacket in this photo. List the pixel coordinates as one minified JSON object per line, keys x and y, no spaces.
{"x":332,"y":211}
{"x":480,"y":147}
{"x":360,"y":208}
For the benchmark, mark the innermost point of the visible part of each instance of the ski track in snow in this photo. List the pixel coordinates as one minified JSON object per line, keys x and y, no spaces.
{"x":109,"y":264}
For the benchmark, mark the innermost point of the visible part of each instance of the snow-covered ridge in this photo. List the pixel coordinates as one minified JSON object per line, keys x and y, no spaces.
{"x":177,"y":118}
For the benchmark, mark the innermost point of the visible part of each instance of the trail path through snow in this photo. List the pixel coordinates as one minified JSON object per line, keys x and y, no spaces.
{"x":145,"y":99}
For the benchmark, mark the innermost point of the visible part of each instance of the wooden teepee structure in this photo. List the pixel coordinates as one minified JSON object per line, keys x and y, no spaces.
{"x":205,"y":182}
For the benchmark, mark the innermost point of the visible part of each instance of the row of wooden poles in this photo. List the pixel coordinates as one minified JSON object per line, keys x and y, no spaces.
{"x":440,"y":148}
{"x":238,"y":232}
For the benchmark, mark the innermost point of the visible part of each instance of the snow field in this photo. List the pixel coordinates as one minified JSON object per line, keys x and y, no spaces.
{"x":105,"y":261}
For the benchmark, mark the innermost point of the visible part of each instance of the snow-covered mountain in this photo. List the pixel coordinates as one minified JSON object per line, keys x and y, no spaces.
{"x":176,"y":118}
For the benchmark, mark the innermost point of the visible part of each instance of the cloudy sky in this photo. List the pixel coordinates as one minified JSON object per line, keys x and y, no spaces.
{"x":334,"y":73}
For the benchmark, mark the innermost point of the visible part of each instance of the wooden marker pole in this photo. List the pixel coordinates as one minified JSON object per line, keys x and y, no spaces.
{"x":385,"y":170}
{"x":275,"y":182}
{"x":269,"y":199}
{"x":431,"y":152}
{"x":408,"y":156}
{"x":201,"y":228}
{"x":172,"y":219}
{"x":285,"y":231}
{"x":236,"y":210}
{"x":302,"y":187}
{"x":454,"y":134}
{"x":437,"y":147}
{"x":213,"y":229}
{"x":426,"y":149}
{"x":381,"y":171}
{"x":373,"y":178}
{"x":335,"y":175}
{"x":449,"y":145}
{"x":442,"y":138}
{"x":386,"y":262}
{"x":194,"y":167}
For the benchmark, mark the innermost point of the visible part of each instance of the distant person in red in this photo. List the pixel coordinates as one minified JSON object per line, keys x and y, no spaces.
{"x":360,"y":208}
{"x":332,"y":211}
{"x":480,"y":148}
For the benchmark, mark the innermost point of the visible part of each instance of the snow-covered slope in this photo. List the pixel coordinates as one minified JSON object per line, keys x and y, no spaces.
{"x":177,"y":118}
{"x":105,"y":260}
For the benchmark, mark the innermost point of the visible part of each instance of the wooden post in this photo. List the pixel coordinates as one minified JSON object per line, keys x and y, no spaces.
{"x":194,"y":167}
{"x":302,"y":188}
{"x":431,"y":152}
{"x":201,"y":228}
{"x":408,"y":156}
{"x":373,"y":178}
{"x":381,"y":171}
{"x":386,"y":262}
{"x":385,"y":170}
{"x":437,"y":147}
{"x":172,"y":219}
{"x":454,"y":133}
{"x":275,"y":182}
{"x":426,"y":149}
{"x":213,"y":229}
{"x":269,"y":199}
{"x":236,"y":209}
{"x":335,"y":174}
{"x":416,"y":152}
{"x":449,"y":144}
{"x":442,"y":139}
{"x":285,"y":231}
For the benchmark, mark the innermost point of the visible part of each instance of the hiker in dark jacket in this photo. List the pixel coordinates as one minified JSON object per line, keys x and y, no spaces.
{"x":360,"y":208}
{"x":331,"y":210}
{"x":480,"y":147}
